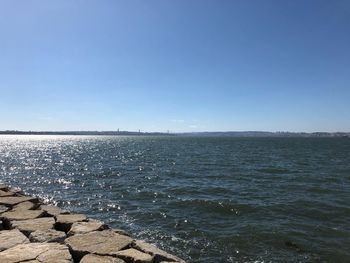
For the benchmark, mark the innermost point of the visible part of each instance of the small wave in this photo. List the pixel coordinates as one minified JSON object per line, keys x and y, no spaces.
{"x":273,"y":170}
{"x":211,"y":206}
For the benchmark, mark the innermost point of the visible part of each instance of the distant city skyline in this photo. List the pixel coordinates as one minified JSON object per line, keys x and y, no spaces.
{"x":178,"y":66}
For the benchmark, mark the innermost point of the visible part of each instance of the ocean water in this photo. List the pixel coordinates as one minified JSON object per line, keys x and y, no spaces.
{"x":204,"y":199}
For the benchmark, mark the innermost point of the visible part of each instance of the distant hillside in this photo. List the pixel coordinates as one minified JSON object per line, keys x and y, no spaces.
{"x":267,"y":134}
{"x":202,"y":134}
{"x":112,"y":133}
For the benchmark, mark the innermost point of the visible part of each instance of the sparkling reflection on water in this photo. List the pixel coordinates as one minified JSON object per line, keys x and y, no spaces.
{"x":205,"y":199}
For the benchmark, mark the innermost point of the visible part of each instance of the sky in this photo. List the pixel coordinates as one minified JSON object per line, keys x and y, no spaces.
{"x":175,"y":65}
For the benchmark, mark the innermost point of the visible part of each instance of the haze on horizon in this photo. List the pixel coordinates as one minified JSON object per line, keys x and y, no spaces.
{"x":180,"y":65}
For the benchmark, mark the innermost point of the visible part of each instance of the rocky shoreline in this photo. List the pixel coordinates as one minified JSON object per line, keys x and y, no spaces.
{"x":33,"y":232}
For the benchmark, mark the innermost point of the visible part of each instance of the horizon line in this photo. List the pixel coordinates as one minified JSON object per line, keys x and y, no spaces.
{"x":167,"y":132}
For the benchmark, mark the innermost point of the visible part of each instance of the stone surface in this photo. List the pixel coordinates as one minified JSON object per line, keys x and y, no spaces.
{"x":11,"y":238}
{"x":91,"y":258}
{"x":28,"y":226}
{"x":3,"y":208}
{"x":6,"y":193}
{"x":86,"y":227}
{"x":37,"y":252}
{"x":159,"y":255}
{"x":90,"y":241}
{"x":14,"y":200}
{"x":26,"y":206}
{"x":21,"y":214}
{"x":134,"y":256}
{"x":104,"y":242}
{"x":64,"y":222}
{"x":121,"y":232}
{"x":53,"y":210}
{"x":49,"y":235}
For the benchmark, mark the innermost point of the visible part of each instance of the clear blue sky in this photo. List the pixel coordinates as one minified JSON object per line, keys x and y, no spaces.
{"x":176,"y":65}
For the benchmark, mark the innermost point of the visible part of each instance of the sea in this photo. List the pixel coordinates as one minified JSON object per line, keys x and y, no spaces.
{"x":205,"y":199}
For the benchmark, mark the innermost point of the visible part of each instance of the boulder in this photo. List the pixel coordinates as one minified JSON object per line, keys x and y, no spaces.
{"x":21,"y":214}
{"x":86,"y":227}
{"x":49,"y":235}
{"x":91,"y":258}
{"x":53,"y":210}
{"x":159,"y":255}
{"x":64,"y":222}
{"x":3,"y":208}
{"x":29,"y":226}
{"x":11,"y":238}
{"x":26,"y":206}
{"x":6,"y":193}
{"x":3,"y":187}
{"x":14,"y":200}
{"x":37,"y":252}
{"x":134,"y":256}
{"x":104,"y":242}
{"x":121,"y":232}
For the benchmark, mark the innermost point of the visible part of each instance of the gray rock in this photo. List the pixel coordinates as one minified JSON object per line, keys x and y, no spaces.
{"x":104,"y":242}
{"x":3,"y":208}
{"x":37,"y":252}
{"x":159,"y":255}
{"x":134,"y":256}
{"x":29,"y":226}
{"x":14,"y":200}
{"x":64,"y":222}
{"x":53,"y":210}
{"x":91,"y":258}
{"x":11,"y":238}
{"x":49,"y":235}
{"x":21,"y":214}
{"x":86,"y":227}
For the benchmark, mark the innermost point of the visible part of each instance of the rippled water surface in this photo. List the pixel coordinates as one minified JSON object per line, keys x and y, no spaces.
{"x":204,"y":199}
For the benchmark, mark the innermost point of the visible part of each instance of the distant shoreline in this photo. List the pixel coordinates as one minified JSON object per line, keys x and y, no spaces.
{"x":200,"y":134}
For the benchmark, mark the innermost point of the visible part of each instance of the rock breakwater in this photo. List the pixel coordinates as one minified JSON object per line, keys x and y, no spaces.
{"x":33,"y":232}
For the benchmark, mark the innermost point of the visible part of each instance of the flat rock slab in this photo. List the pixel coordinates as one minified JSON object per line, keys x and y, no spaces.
{"x":64,"y":222}
{"x":50,"y":235}
{"x":53,"y":210}
{"x":28,"y":226}
{"x":26,"y":206}
{"x":37,"y":252}
{"x":14,"y":200}
{"x":104,"y":242}
{"x":134,"y":256}
{"x":11,"y":238}
{"x":6,"y":193}
{"x":159,"y":255}
{"x":21,"y":214}
{"x":86,"y":227}
{"x":91,"y":258}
